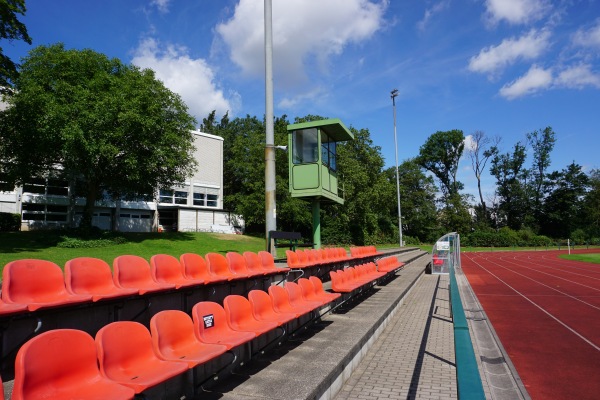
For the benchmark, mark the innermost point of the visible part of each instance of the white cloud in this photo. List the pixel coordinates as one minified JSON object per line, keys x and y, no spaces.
{"x":161,"y":5}
{"x":470,"y":144}
{"x":313,"y":95}
{"x":430,"y":12}
{"x":306,"y":33}
{"x":533,"y":81}
{"x":578,"y":77}
{"x":192,"y":79}
{"x":588,"y":37}
{"x":516,"y":11}
{"x":527,"y":47}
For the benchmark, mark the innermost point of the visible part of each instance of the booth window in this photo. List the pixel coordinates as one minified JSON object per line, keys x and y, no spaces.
{"x":305,"y":144}
{"x":328,"y":152}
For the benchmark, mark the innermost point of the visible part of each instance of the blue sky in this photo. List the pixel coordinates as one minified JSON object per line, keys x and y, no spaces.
{"x":504,"y":67}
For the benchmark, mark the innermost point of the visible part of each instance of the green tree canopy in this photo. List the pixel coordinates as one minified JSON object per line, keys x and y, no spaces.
{"x":563,"y":207}
{"x":12,"y":29}
{"x":440,"y":155}
{"x":112,"y":126}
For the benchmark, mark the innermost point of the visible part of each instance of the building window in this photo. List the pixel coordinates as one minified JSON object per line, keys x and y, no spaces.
{"x":199,"y":199}
{"x":44,"y":212}
{"x":211,"y":200}
{"x":4,"y":186}
{"x":181,"y":197}
{"x":166,"y":196}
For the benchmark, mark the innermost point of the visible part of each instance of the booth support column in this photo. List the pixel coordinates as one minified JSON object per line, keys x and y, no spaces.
{"x":316,"y":216}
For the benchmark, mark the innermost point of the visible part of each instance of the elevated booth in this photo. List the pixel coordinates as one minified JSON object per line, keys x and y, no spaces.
{"x":313,"y":173}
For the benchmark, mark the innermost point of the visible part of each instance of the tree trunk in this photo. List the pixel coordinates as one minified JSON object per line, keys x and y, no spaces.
{"x":88,"y":209}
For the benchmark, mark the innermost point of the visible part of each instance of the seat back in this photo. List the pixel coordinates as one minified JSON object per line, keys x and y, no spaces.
{"x":32,"y":281}
{"x":317,"y":284}
{"x":166,"y":268}
{"x":210,"y":321}
{"x":294,"y":293}
{"x":194,"y":266}
{"x":58,"y":361}
{"x":171,"y":331}
{"x":307,"y":288}
{"x":267,"y":260}
{"x":262,"y":305}
{"x":292,"y":259}
{"x":253,"y":262}
{"x":87,"y":275}
{"x":132,"y":271}
{"x":238,"y":311}
{"x":218,"y":265}
{"x":237,"y":263}
{"x":123,"y":345}
{"x":281,"y":299}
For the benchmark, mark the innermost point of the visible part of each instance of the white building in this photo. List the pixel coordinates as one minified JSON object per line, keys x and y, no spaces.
{"x":195,"y":206}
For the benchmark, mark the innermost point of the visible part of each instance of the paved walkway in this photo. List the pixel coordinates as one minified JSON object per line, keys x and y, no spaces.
{"x":414,"y":357}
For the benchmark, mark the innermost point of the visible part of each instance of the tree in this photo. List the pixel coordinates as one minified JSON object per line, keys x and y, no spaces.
{"x":481,"y":150}
{"x":114,"y":127}
{"x":592,"y":205}
{"x":12,"y":29}
{"x":513,"y":204}
{"x":440,"y":155}
{"x":563,"y":206}
{"x":542,"y":142}
{"x":418,"y":201}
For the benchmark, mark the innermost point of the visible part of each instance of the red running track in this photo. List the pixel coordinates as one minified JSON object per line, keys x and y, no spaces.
{"x":546,"y":312}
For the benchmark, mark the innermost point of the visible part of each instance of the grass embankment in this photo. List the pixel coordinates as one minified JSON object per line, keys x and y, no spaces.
{"x":591,"y":258}
{"x":45,"y":245}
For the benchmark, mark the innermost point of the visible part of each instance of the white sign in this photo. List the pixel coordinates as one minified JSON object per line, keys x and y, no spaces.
{"x":443,"y":246}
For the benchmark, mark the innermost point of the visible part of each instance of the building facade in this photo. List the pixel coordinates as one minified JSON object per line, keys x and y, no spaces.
{"x":196,"y":205}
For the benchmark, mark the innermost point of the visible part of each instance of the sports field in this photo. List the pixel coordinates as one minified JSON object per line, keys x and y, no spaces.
{"x":546,"y":311}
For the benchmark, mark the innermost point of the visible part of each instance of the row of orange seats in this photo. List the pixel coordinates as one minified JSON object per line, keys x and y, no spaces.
{"x":126,"y":359}
{"x":30,"y":284}
{"x":363,"y":251}
{"x":353,"y":278}
{"x":312,"y":257}
{"x":389,"y":264}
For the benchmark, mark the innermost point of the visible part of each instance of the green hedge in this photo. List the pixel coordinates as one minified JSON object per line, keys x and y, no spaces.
{"x":505,"y":237}
{"x":10,"y":222}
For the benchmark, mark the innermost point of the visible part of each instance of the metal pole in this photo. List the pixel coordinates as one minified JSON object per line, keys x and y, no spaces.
{"x":270,"y":207}
{"x":394,"y":94}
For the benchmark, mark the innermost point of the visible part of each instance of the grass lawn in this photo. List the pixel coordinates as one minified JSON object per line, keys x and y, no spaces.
{"x":592,"y":258}
{"x":42,"y":245}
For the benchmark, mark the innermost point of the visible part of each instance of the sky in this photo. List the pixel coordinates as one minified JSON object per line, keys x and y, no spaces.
{"x":503,"y":67}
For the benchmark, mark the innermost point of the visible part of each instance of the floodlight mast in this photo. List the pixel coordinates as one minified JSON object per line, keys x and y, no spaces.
{"x":394,"y":94}
{"x":270,"y":207}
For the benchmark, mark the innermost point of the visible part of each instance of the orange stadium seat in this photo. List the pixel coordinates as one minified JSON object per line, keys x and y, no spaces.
{"x":173,"y":339}
{"x":63,"y":364}
{"x":262,"y":308}
{"x":239,"y":315}
{"x":37,"y":283}
{"x":195,"y":267}
{"x":92,"y":276}
{"x":167,"y":269}
{"x":210,"y":326}
{"x":134,"y":272}
{"x":125,"y":356}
